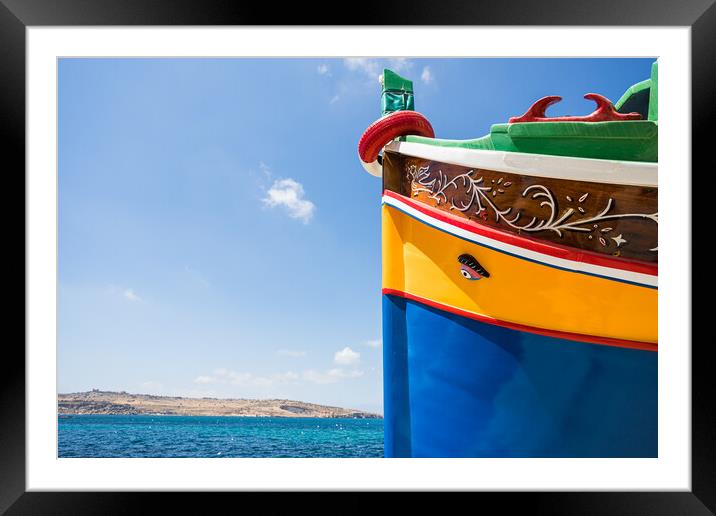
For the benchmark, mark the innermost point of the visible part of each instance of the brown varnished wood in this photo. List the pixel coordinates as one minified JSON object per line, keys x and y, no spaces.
{"x":616,"y":220}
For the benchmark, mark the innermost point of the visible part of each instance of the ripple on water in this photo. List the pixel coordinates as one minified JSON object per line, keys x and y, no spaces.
{"x":206,"y":436}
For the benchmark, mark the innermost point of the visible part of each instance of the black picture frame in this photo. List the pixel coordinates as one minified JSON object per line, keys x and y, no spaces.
{"x":17,"y":15}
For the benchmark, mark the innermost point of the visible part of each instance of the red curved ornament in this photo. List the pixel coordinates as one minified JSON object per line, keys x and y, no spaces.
{"x":604,"y":112}
{"x":383,"y":131}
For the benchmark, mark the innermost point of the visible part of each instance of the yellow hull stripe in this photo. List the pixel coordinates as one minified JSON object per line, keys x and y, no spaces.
{"x":421,"y":261}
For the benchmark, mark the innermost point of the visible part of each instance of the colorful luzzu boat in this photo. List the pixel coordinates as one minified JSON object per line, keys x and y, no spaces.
{"x":520,"y":281}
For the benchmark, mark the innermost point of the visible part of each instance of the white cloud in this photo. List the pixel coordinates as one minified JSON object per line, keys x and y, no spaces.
{"x":229,"y":377}
{"x":235,"y":378}
{"x":341,"y":373}
{"x":376,"y":343}
{"x":265,"y":169}
{"x":370,"y":67}
{"x":324,"y":70}
{"x":290,"y":353}
{"x":127,"y":293}
{"x":373,"y":67}
{"x":330,"y":376}
{"x":319,"y":378}
{"x":130,"y":295}
{"x":400,"y":64}
{"x":346,"y":356}
{"x":334,"y":99}
{"x":427,"y":75}
{"x":289,"y":194}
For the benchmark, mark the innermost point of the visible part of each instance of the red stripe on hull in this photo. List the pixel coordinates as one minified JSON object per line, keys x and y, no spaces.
{"x":591,"y":339}
{"x":554,"y":250}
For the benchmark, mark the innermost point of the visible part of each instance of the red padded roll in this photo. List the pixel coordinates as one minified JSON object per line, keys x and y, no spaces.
{"x":383,"y":131}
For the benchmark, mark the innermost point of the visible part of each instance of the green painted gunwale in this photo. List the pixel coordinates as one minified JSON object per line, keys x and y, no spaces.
{"x":635,"y":140}
{"x":632,"y":140}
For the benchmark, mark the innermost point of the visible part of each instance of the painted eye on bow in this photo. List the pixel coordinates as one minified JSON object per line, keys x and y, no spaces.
{"x":468,"y":273}
{"x":470,"y":268}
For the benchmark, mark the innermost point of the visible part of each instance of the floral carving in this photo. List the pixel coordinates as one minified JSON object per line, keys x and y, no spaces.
{"x":481,"y":200}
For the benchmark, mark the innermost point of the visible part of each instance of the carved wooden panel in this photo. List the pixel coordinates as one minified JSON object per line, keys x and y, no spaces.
{"x":618,"y":220}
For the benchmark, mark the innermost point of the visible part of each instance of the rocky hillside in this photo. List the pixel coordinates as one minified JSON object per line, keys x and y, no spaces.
{"x":106,"y":402}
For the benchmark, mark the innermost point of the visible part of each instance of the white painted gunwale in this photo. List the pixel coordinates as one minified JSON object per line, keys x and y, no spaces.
{"x":538,"y":165}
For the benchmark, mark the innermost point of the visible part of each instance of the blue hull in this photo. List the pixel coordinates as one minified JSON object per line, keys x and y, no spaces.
{"x":456,"y":387}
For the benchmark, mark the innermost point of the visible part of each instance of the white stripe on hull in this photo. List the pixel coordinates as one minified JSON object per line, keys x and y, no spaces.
{"x":588,"y":268}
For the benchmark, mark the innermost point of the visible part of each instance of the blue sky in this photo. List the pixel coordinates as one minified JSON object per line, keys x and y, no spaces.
{"x":217,"y":234}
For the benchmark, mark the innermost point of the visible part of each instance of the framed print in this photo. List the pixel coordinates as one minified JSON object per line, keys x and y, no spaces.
{"x":204,"y":248}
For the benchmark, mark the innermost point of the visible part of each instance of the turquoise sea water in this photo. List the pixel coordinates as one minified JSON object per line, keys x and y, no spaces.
{"x":208,"y":436}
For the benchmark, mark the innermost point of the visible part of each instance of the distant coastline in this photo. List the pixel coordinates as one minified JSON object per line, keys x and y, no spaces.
{"x":123,"y":403}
